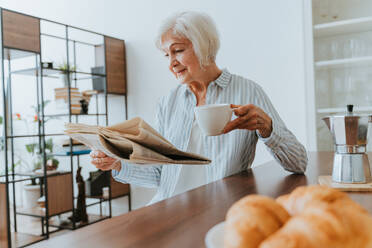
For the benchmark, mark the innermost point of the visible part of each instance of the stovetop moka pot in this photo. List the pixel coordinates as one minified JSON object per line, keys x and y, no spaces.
{"x":350,"y":132}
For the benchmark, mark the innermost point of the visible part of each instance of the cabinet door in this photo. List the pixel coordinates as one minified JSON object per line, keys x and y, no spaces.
{"x":118,"y":189}
{"x":3,"y":218}
{"x":115,"y":66}
{"x":59,"y":193}
{"x":21,"y":31}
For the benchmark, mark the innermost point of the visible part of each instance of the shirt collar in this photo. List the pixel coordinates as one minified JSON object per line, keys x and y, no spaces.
{"x":222,"y":81}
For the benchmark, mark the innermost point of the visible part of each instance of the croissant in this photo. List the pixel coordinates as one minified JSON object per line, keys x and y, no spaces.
{"x":322,"y":217}
{"x":251,"y":220}
{"x":301,"y":197}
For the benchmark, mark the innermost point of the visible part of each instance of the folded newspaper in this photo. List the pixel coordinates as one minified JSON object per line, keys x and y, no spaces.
{"x":134,"y":141}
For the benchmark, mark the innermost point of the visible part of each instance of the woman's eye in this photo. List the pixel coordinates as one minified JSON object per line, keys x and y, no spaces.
{"x":179,"y":51}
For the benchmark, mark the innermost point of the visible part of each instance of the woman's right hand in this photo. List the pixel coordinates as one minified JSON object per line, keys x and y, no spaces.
{"x":104,"y":162}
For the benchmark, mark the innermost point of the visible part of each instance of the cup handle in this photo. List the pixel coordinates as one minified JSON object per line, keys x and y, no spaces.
{"x":232,"y":109}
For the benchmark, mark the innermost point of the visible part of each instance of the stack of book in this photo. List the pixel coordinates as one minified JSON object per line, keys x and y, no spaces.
{"x":62,"y":95}
{"x":77,"y":148}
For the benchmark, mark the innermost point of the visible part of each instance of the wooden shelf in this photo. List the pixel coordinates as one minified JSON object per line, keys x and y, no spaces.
{"x":107,"y":71}
{"x":91,"y":201}
{"x":21,"y":240}
{"x":35,"y":211}
{"x":59,"y":197}
{"x":92,"y":218}
{"x":67,"y":115}
{"x":115,"y":66}
{"x":3,"y":213}
{"x":20,"y":31}
{"x":355,"y":25}
{"x":57,"y":73}
{"x":41,"y":175}
{"x":342,"y":110}
{"x":344,"y":63}
{"x":12,"y":53}
{"x":40,"y":212}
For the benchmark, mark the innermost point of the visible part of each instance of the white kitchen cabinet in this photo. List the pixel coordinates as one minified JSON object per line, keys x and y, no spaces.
{"x":338,"y":61}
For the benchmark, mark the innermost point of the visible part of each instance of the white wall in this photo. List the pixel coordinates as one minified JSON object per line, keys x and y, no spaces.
{"x":261,"y":40}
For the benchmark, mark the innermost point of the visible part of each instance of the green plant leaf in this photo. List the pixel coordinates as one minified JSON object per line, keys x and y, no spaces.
{"x":55,"y":161}
{"x":49,"y":144}
{"x":37,"y":165}
{"x":35,"y":108}
{"x":64,"y":67}
{"x":31,"y":147}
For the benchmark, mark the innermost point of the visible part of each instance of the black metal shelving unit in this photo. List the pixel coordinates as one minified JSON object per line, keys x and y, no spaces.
{"x":11,"y":178}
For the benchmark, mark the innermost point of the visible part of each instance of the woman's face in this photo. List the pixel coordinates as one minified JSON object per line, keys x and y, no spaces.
{"x":183,"y":62}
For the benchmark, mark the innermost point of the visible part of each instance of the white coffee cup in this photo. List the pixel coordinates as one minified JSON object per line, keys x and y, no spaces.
{"x":213,"y":118}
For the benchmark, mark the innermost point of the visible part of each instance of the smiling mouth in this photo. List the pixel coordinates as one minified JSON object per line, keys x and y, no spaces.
{"x":181,"y":72}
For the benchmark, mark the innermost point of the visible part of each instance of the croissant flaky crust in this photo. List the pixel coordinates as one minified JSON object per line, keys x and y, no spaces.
{"x":303,"y":196}
{"x":258,"y":216}
{"x":321,"y":217}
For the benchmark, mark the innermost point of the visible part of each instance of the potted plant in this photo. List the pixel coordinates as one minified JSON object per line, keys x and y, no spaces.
{"x":66,"y":72}
{"x":32,"y":191}
{"x":30,"y":159}
{"x":36,"y":150}
{"x":37,"y":153}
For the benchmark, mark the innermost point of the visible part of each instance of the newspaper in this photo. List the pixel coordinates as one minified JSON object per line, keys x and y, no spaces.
{"x":134,"y":141}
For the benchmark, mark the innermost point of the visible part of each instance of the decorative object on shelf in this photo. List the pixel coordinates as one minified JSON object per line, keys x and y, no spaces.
{"x":76,"y":146}
{"x":31,"y":194}
{"x":96,"y":182}
{"x":47,"y":65}
{"x":52,"y":164}
{"x":84,"y":106}
{"x":105,"y":192}
{"x":82,"y":152}
{"x":37,"y":151}
{"x":334,"y":11}
{"x":87,"y":94}
{"x":80,"y":214}
{"x":41,"y":202}
{"x":34,"y":161}
{"x":61,"y":96}
{"x":66,"y":70}
{"x":98,"y":82}
{"x":64,"y":149}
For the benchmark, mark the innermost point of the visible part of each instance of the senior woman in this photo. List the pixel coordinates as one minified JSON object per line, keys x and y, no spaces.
{"x":190,"y":42}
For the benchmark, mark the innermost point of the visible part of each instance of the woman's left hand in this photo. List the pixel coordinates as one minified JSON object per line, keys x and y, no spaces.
{"x":252,"y":118}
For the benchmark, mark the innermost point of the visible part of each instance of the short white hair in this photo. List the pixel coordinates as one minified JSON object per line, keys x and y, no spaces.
{"x":199,"y":28}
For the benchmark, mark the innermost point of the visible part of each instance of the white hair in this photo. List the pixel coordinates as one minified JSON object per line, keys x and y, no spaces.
{"x":199,"y":28}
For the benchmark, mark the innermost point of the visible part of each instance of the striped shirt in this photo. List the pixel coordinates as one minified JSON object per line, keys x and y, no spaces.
{"x":230,"y":153}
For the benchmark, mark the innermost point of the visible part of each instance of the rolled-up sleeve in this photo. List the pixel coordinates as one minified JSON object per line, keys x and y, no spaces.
{"x":145,"y":176}
{"x":281,"y":143}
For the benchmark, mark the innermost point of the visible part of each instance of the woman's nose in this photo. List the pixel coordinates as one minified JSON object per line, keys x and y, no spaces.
{"x":172,"y":61}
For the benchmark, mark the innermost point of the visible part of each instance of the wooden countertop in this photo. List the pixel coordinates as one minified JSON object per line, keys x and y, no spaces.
{"x":183,"y":220}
